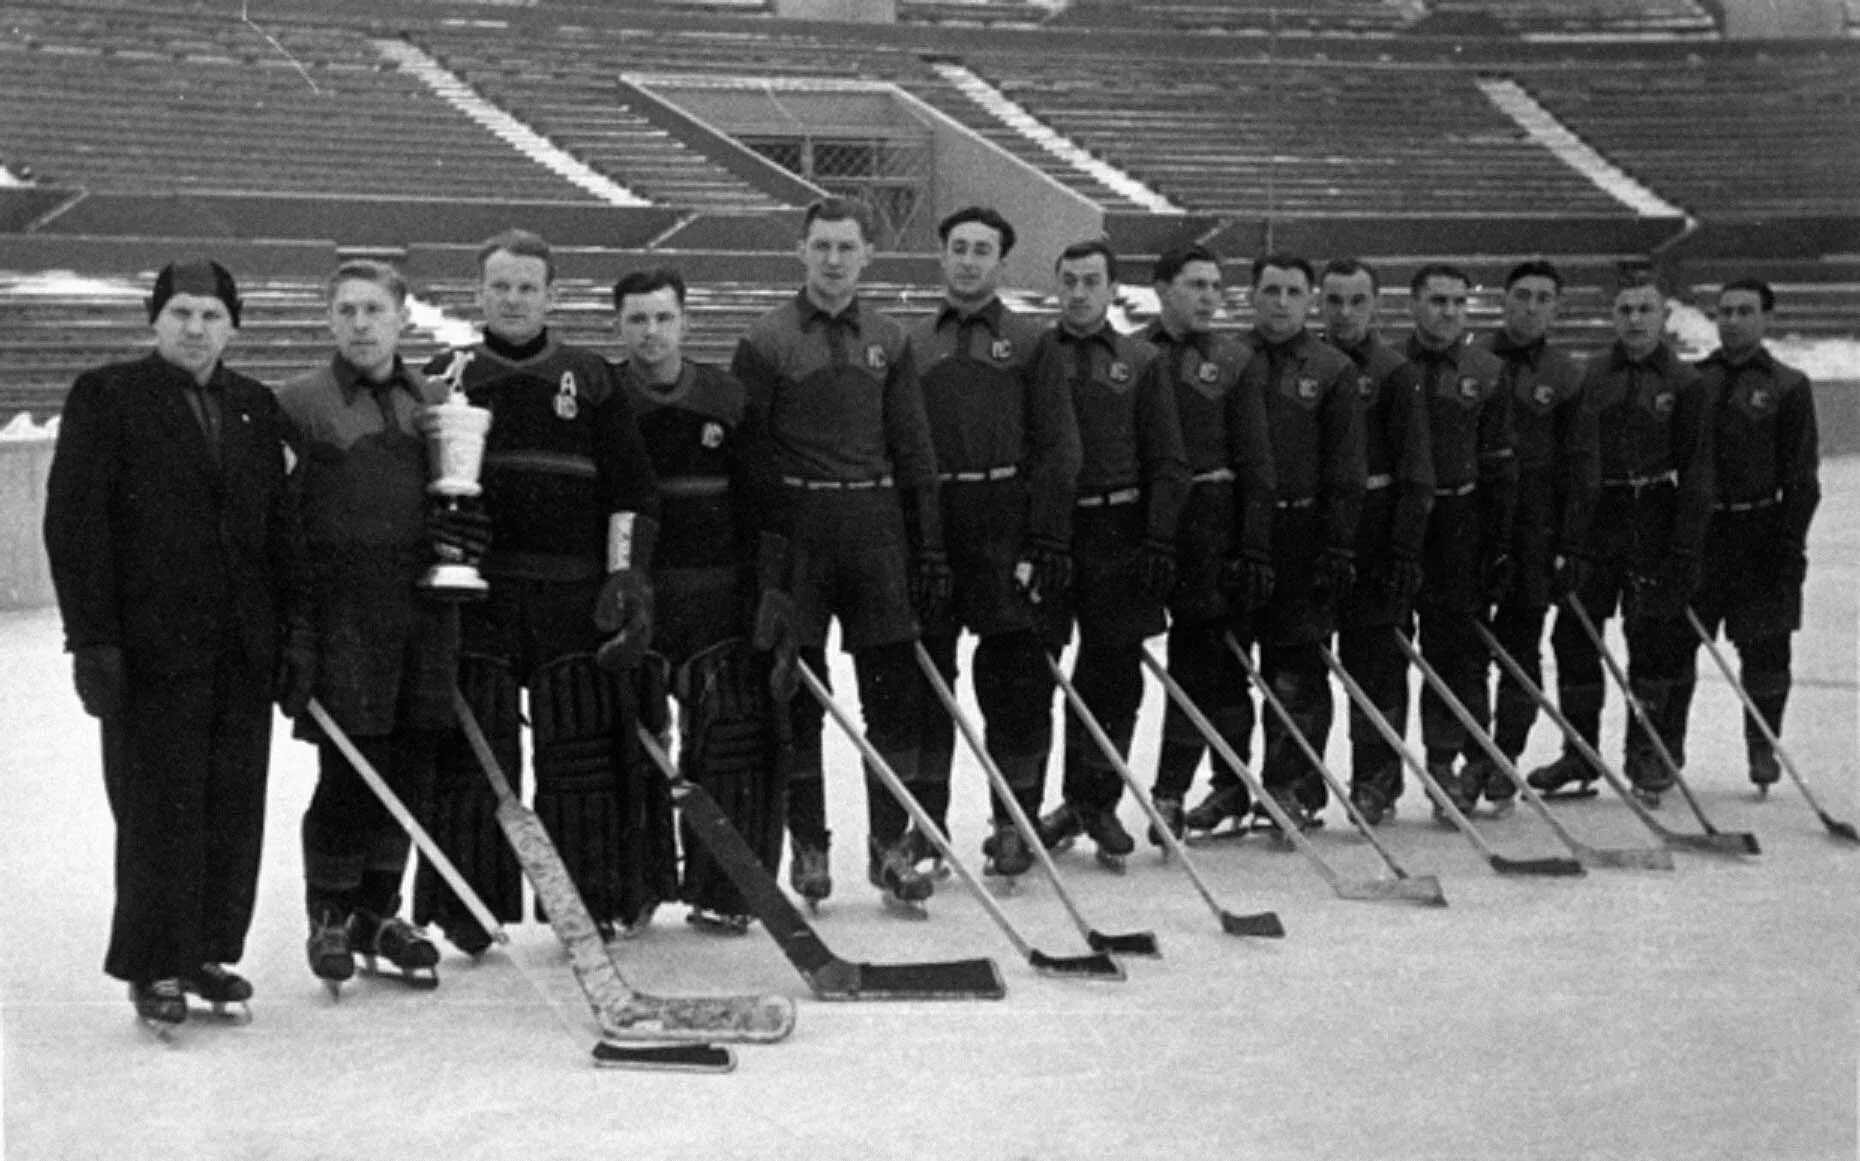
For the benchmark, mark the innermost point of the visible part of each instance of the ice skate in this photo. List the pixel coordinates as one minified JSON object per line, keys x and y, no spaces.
{"x":1373,"y":802}
{"x":1173,"y":816}
{"x":1221,"y":814}
{"x":1060,"y":827}
{"x":718,"y":922}
{"x":1005,"y":855}
{"x":331,"y":954}
{"x":1765,"y":771}
{"x":902,"y":887}
{"x":464,"y":933}
{"x":1302,"y":816}
{"x":808,"y":873}
{"x":1113,"y":841}
{"x":1647,"y":796}
{"x":928,"y":859}
{"x":408,"y":951}
{"x":1482,"y":777}
{"x":161,"y":1007}
{"x":221,"y":988}
{"x":1451,"y":786}
{"x":1570,"y":776}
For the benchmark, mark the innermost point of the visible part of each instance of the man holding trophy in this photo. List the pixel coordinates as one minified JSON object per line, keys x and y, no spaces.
{"x":574,"y":509}
{"x":377,"y":649}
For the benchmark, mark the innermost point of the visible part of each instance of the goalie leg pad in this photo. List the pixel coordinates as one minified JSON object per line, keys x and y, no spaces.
{"x":730,"y":745}
{"x":461,"y":813}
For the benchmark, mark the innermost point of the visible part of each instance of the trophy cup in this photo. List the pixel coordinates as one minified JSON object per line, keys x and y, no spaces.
{"x":455,"y":433}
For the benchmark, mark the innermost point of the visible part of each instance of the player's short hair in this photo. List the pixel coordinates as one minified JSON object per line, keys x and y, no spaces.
{"x":1534,"y":268}
{"x":1350,"y":268}
{"x":1766,"y":294}
{"x":523,"y":244}
{"x":648,"y":281}
{"x":1086,"y":249}
{"x":1437,"y":270}
{"x":984,"y":215}
{"x":838,"y":209}
{"x":1634,"y":275}
{"x":1174,"y":260}
{"x":1284,"y":261}
{"x":368,"y":270}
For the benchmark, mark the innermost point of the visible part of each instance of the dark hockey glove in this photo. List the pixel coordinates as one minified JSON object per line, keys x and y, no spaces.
{"x":1404,"y":578}
{"x":1495,"y":577}
{"x":932,"y":585}
{"x":624,"y":613}
{"x":1573,"y":574}
{"x":297,"y":670}
{"x":1158,"y":569}
{"x":1334,"y":573}
{"x":459,"y":535}
{"x":1791,"y":565}
{"x":97,"y":672}
{"x":774,"y":635}
{"x":1045,"y":572}
{"x":1249,"y":580}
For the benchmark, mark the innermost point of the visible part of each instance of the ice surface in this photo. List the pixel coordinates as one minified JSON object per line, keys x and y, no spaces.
{"x":1702,"y":1013}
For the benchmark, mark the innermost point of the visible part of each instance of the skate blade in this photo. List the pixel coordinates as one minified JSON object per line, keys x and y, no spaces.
{"x":1000,"y":885}
{"x":334,"y":988}
{"x":235,"y":1013}
{"x":1569,"y":793}
{"x":1116,"y":864}
{"x":713,"y":925}
{"x":164,"y":1033}
{"x":912,"y":909}
{"x":423,"y":978}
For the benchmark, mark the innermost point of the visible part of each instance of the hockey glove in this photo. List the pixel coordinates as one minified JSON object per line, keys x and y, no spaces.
{"x":97,"y":672}
{"x":774,"y":635}
{"x":1250,"y":579}
{"x":1791,"y":565}
{"x":459,"y":534}
{"x":624,"y":613}
{"x":297,"y":669}
{"x":932,"y":585}
{"x":1404,"y":578}
{"x":1334,"y":573}
{"x":1573,"y":574}
{"x":1496,"y":576}
{"x":1158,"y":569}
{"x":1045,"y":572}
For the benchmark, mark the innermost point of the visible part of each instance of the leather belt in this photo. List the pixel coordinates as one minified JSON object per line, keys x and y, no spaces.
{"x":1465,"y":489}
{"x":1750,"y":505}
{"x":1669,"y":476}
{"x":1213,"y":476}
{"x":1110,"y":499}
{"x":983,"y":476}
{"x":1377,"y":482}
{"x":836,"y":485}
{"x":1292,"y":505}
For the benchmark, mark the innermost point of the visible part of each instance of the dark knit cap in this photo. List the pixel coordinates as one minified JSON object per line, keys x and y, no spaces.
{"x":201,"y":276}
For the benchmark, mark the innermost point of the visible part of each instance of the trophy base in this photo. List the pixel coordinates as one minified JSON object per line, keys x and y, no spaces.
{"x":454,"y":582}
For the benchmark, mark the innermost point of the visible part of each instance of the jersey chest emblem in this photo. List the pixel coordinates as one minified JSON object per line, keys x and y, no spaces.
{"x":712,"y":436}
{"x":1759,"y":399}
{"x":1208,"y":373}
{"x":566,"y":407}
{"x":1365,"y":386}
{"x":1663,"y":404}
{"x":1469,"y":389}
{"x":1119,"y":373}
{"x":875,"y":359}
{"x":1543,"y":395}
{"x":1307,"y":388}
{"x":1001,"y":350}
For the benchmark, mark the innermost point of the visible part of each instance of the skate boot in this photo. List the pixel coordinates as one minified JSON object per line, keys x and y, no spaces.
{"x":1765,"y":770}
{"x":161,"y":1006}
{"x":1289,"y":801}
{"x":1173,"y":815}
{"x":219,"y":986}
{"x":1648,"y":776}
{"x":403,"y":945}
{"x":332,"y":955}
{"x":1570,"y":776}
{"x":892,"y":870}
{"x":1481,"y":776}
{"x":929,"y":860}
{"x":1453,"y":787}
{"x":809,"y":874}
{"x":718,"y":922}
{"x":1222,"y":805}
{"x":1113,"y":841}
{"x":1060,"y":827}
{"x":465,"y":933}
{"x":1372,"y":802}
{"x":1006,"y":852}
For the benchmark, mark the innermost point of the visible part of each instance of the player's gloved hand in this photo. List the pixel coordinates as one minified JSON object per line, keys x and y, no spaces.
{"x":1573,"y":573}
{"x":1791,"y":564}
{"x":1047,"y":574}
{"x":1249,"y":579}
{"x":1495,"y":577}
{"x":932,"y":584}
{"x":1335,"y":571}
{"x":623,"y":611}
{"x":774,"y":634}
{"x":297,"y":669}
{"x":1158,"y":569}
{"x":97,"y":672}
{"x":1404,"y":578}
{"x":459,"y":534}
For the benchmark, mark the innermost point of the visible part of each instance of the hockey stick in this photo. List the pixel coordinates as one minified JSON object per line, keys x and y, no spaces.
{"x":829,"y":976}
{"x":1498,"y":862}
{"x":1365,"y":890}
{"x":1722,"y":844}
{"x":1098,"y":965}
{"x":1264,"y":924}
{"x":1835,"y":826}
{"x":1425,"y":888}
{"x":1644,"y":858}
{"x":622,"y":1012}
{"x":1639,"y":711}
{"x":1131,"y":943}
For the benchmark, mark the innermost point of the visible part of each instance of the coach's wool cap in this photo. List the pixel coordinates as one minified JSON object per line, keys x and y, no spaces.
{"x":201,"y":276}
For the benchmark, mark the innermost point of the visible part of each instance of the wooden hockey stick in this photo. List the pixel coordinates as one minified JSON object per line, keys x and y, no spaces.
{"x":1722,"y":844}
{"x":1639,"y":710}
{"x":1498,"y":862}
{"x":1264,"y":924}
{"x":1129,"y":943}
{"x":1835,"y":826}
{"x":1417,"y":889}
{"x":1643,"y":858}
{"x":1098,"y":965}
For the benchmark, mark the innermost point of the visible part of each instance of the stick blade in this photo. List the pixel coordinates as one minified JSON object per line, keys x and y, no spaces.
{"x":959,"y":979}
{"x":1098,"y":966}
{"x":665,"y":1057}
{"x":1562,"y":867}
{"x":1839,"y":829}
{"x":1264,"y":925}
{"x":1422,"y":889}
{"x":1128,"y":943}
{"x":1635,"y":858}
{"x":1716,"y":843}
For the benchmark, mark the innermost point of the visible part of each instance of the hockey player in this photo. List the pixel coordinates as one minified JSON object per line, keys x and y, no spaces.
{"x":1398,"y":495}
{"x":714,"y":626}
{"x":1767,"y":465}
{"x":1224,"y":543}
{"x":1317,"y":455}
{"x":851,"y":445}
{"x":379,"y":656}
{"x":574,"y":514}
{"x":1543,"y":384}
{"x":1007,"y":452}
{"x":1639,"y":516}
{"x":1132,"y":483}
{"x":173,"y":543}
{"x":1466,"y":558}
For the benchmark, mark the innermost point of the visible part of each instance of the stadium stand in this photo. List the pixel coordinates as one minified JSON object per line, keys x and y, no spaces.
{"x":1591,"y":19}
